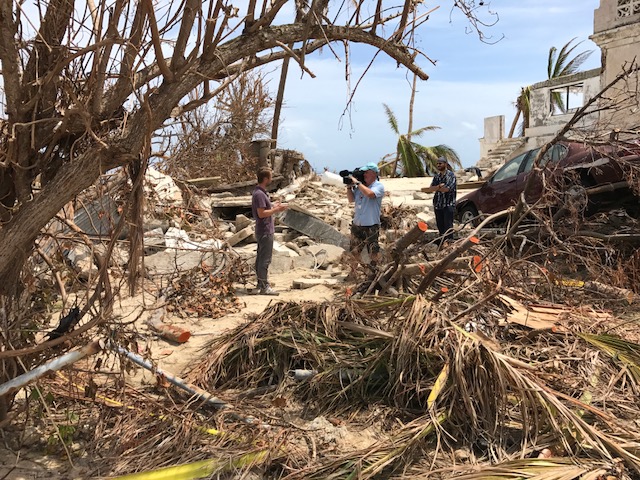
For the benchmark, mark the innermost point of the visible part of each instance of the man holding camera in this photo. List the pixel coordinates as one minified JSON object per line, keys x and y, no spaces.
{"x":365,"y":228}
{"x":444,"y":201}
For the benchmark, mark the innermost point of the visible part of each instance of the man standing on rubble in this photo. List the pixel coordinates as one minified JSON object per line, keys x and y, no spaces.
{"x":365,"y":228}
{"x":444,"y":185}
{"x":263,"y":212}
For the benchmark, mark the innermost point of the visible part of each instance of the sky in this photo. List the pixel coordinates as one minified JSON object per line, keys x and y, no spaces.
{"x":470,"y":81}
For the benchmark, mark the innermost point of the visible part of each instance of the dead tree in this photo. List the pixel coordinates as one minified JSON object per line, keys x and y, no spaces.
{"x":85,"y":90}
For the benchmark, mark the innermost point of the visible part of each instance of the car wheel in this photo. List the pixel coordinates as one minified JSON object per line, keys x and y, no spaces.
{"x":576,"y":196}
{"x":469,"y":215}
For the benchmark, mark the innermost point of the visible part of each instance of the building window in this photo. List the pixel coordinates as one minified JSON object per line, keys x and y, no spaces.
{"x":626,"y":8}
{"x":566,"y":99}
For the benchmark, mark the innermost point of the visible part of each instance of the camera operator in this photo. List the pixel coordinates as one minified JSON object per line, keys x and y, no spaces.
{"x":365,"y":228}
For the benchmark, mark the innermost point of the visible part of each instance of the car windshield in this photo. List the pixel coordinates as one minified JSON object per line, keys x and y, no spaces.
{"x":556,"y":153}
{"x":509,"y":169}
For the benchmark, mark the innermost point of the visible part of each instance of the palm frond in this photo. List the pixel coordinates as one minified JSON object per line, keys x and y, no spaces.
{"x":577,"y":62}
{"x":551,"y":61}
{"x":628,"y":353}
{"x":559,"y":63}
{"x":429,"y":155}
{"x":538,"y":469}
{"x":391,"y":119}
{"x":420,"y":131}
{"x":561,"y":59}
{"x":411,"y":162}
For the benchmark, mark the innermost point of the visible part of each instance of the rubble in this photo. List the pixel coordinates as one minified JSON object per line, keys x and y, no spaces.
{"x":503,"y":342}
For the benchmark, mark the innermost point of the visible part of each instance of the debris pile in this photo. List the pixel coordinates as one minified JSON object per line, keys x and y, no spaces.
{"x":512,"y":349}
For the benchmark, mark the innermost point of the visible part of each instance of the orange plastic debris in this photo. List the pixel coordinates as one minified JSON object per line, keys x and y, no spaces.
{"x":477,"y":263}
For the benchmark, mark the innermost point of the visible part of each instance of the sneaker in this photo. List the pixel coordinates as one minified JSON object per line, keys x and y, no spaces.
{"x":269,"y":291}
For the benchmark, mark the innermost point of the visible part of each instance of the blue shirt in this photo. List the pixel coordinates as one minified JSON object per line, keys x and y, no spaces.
{"x":260,"y":199}
{"x":445,"y":199}
{"x":367,"y":210}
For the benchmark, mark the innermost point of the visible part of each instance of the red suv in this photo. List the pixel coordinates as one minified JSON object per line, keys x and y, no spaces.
{"x":568,"y":163}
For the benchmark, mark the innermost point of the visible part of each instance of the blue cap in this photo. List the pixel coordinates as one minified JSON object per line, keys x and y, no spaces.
{"x":370,"y":166}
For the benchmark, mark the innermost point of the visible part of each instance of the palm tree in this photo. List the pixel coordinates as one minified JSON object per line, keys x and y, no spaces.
{"x":558,"y":65}
{"x":414,"y":158}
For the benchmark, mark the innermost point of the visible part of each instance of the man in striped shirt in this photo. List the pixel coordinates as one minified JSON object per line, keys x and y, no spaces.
{"x":444,"y":199}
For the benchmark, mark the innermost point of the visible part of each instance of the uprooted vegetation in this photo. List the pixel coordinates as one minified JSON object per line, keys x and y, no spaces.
{"x":513,"y":353}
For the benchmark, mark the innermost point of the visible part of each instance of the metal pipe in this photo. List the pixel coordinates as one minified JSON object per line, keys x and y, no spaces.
{"x":56,"y":364}
{"x":173,"y":379}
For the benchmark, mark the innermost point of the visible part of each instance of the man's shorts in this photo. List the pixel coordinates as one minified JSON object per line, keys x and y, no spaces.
{"x":365,"y":236}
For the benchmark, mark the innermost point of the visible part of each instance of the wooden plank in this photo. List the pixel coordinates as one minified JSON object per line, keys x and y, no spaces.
{"x":304,"y":283}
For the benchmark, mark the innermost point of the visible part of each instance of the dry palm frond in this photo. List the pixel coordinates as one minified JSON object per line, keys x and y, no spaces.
{"x":628,"y":353}
{"x":416,"y":361}
{"x":290,"y":336}
{"x":542,"y":469}
{"x":504,"y":394}
{"x":380,"y":460}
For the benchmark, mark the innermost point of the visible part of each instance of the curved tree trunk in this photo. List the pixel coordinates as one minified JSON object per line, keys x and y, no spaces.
{"x":514,"y":123}
{"x":279,"y":101}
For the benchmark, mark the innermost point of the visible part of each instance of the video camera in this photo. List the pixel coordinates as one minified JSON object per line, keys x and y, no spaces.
{"x":356,"y":173}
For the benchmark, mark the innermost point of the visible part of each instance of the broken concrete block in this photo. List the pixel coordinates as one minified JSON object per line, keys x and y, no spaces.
{"x":312,"y":226}
{"x":429,"y":218}
{"x":304,"y":261}
{"x":81,"y":258}
{"x":242,"y":222}
{"x":163,"y":187}
{"x":243,"y":234}
{"x":119,"y":255}
{"x":294,"y":247}
{"x":421,"y":196}
{"x":283,"y":250}
{"x":172,"y":261}
{"x":281,"y":264}
{"x":325,"y":253}
{"x":176,"y":238}
{"x":202,"y":204}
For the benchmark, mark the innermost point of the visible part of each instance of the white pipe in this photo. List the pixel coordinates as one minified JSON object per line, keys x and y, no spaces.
{"x":173,"y":379}
{"x":56,"y":364}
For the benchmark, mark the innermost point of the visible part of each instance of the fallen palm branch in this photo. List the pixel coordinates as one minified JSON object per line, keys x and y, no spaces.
{"x":544,"y":469}
{"x":628,"y":353}
{"x":412,"y":358}
{"x":201,"y":469}
{"x":380,"y":460}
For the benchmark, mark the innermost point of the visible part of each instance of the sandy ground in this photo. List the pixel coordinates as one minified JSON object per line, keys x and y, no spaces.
{"x":175,"y":357}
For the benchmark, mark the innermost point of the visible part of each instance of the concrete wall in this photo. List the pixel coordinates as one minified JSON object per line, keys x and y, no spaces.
{"x":617,"y":34}
{"x":610,"y":15}
{"x":543,"y":123}
{"x":493,"y":133}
